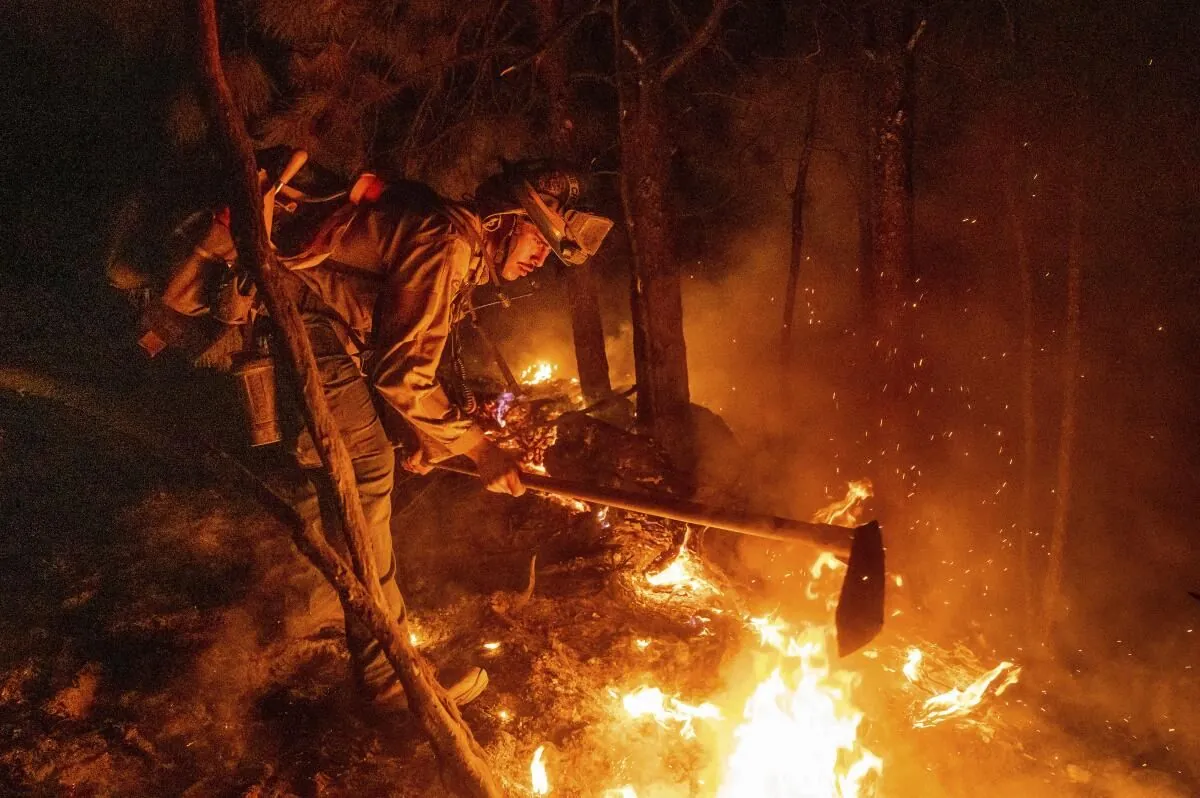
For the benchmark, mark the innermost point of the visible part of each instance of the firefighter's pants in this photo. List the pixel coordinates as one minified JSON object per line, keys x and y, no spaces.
{"x":371,"y":452}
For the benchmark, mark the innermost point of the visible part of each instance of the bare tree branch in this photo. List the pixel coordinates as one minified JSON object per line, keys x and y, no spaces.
{"x":916,"y":37}
{"x":699,"y":39}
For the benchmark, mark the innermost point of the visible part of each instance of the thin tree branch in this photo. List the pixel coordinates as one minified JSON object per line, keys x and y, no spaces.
{"x":466,"y":768}
{"x":699,"y":39}
{"x":916,"y":37}
{"x":560,"y":32}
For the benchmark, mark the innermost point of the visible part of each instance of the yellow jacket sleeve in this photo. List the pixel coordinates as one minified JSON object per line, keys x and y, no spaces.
{"x":412,"y":323}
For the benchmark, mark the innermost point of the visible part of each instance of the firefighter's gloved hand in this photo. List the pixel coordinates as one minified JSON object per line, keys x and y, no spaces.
{"x":417,"y":463}
{"x":497,"y":468}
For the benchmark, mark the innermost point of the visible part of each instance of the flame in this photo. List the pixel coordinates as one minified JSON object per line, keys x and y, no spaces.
{"x":663,"y":708}
{"x":957,"y":702}
{"x":846,"y":511}
{"x":912,"y":665}
{"x":826,"y":563}
{"x":538,"y":779}
{"x":503,"y":402}
{"x":799,"y":736}
{"x":539,"y":373}
{"x":683,"y":572}
{"x":621,"y":792}
{"x":770,"y":632}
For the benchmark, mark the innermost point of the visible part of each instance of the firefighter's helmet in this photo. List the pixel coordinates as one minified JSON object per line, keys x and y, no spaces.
{"x":549,"y":193}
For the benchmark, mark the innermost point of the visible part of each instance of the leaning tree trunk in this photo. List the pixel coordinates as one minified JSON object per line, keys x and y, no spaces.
{"x":462,"y":759}
{"x":1066,"y":442}
{"x":797,"y":256}
{"x":587,"y":324}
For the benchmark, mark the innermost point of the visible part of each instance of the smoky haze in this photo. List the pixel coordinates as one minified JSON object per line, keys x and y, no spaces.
{"x":946,"y":457}
{"x":1106,"y":103}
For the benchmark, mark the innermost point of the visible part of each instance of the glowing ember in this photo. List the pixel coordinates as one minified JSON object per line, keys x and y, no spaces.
{"x":492,"y":646}
{"x":799,"y":738}
{"x":845,"y":511}
{"x":539,"y":373}
{"x":663,"y":708}
{"x":958,"y":702}
{"x":683,"y":572}
{"x":538,"y":779}
{"x":621,"y":792}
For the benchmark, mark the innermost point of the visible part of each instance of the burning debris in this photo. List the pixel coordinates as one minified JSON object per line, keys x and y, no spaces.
{"x":665,"y":710}
{"x":958,"y":702}
{"x":684,"y":572}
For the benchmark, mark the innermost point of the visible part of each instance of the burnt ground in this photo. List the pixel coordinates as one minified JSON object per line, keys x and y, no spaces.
{"x":158,"y":639}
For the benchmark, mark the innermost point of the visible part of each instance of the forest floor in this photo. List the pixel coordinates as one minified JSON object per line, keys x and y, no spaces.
{"x":158,"y":638}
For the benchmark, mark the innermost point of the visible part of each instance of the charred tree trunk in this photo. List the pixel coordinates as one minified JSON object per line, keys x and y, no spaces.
{"x":1025,"y":524}
{"x":460,"y":755}
{"x":864,"y":191}
{"x":660,"y":352}
{"x":1066,"y":442}
{"x":587,"y":325}
{"x":892,"y":38}
{"x":797,"y":256}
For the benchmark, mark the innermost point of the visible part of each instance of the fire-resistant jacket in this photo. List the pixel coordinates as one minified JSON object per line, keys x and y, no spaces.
{"x":393,"y":272}
{"x":395,"y":276}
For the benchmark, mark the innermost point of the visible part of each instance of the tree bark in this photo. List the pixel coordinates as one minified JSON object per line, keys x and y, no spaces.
{"x":1066,"y":442}
{"x":660,"y":351}
{"x":461,"y":757}
{"x":893,"y":39}
{"x":797,"y":256}
{"x":587,"y":325}
{"x":1025,"y":525}
{"x":865,"y":196}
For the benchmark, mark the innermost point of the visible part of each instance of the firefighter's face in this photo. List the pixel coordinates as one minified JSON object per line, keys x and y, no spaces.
{"x":527,"y":251}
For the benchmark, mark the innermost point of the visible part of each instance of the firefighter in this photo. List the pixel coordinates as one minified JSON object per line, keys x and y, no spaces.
{"x":379,"y":284}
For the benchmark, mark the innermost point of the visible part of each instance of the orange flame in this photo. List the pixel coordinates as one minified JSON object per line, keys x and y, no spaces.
{"x":958,"y":702}
{"x":683,"y":572}
{"x":539,"y":373}
{"x":845,"y":511}
{"x":912,"y":665}
{"x":800,"y":733}
{"x":538,"y":779}
{"x":664,"y":708}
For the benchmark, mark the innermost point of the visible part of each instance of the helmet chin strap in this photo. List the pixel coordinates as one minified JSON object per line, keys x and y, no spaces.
{"x":494,"y":257}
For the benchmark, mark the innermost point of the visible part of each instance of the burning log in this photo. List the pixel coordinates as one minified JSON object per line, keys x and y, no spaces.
{"x":859,"y":615}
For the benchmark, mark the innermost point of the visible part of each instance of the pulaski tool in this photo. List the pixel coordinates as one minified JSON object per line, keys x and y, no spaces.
{"x":859,"y":615}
